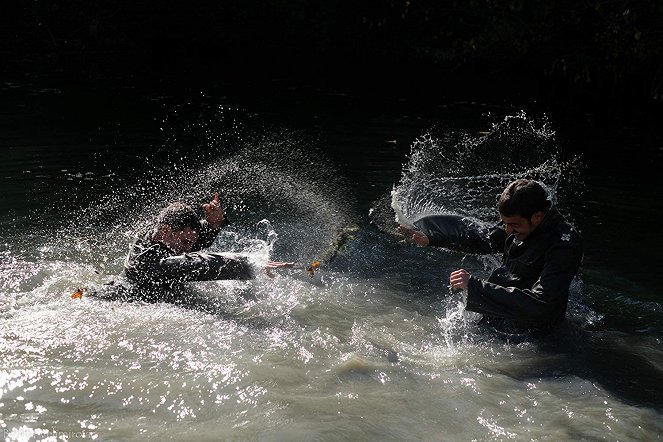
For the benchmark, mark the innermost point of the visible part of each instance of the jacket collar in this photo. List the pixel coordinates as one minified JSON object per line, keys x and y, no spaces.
{"x":549,"y":221}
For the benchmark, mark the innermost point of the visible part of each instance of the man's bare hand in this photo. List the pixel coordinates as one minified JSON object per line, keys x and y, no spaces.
{"x":213,"y":212}
{"x":414,"y":236}
{"x":273,"y":265}
{"x":458,"y":279}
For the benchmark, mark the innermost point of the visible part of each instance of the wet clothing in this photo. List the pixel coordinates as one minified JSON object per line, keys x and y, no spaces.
{"x":461,"y":233}
{"x":530,"y":289}
{"x":157,"y":273}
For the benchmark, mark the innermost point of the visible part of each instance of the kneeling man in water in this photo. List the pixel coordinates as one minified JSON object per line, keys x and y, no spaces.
{"x":541,"y":254}
{"x":162,"y":260}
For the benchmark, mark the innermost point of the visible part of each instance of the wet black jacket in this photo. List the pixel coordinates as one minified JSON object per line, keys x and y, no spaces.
{"x":157,"y":272}
{"x":461,"y":233}
{"x":531,"y":287}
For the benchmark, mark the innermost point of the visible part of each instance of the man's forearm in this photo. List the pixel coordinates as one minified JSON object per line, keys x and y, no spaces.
{"x":512,"y":303}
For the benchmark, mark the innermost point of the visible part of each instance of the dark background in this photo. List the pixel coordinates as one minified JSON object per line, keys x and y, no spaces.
{"x":95,"y":68}
{"x":595,"y":67}
{"x":605,"y":55}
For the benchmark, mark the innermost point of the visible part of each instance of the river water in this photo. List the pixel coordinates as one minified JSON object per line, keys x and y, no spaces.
{"x":373,"y":346}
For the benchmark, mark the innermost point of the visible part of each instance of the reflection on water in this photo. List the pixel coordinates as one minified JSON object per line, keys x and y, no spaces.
{"x":372,"y":347}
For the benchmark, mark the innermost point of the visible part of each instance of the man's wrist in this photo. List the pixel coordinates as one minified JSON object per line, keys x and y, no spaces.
{"x":218,"y":224}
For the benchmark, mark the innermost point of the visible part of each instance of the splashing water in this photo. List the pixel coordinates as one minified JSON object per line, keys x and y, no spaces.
{"x":377,"y":351}
{"x":453,"y":172}
{"x":284,"y":201}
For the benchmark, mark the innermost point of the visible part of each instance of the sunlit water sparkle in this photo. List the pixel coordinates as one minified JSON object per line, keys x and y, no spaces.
{"x":373,"y":347}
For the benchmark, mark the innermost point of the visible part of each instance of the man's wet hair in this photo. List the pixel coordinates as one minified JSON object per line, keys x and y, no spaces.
{"x":178,"y":216}
{"x":523,"y":197}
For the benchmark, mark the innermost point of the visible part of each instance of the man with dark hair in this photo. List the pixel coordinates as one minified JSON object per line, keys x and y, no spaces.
{"x":167,"y":256}
{"x":541,"y":255}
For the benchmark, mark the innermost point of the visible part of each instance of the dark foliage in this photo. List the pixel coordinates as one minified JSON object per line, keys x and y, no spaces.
{"x":611,"y":49}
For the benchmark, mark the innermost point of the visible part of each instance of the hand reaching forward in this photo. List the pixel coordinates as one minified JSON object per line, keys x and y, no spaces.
{"x":414,"y":236}
{"x":272,"y":265}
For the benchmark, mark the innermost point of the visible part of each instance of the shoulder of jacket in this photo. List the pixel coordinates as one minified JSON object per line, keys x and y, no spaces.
{"x":566,"y":235}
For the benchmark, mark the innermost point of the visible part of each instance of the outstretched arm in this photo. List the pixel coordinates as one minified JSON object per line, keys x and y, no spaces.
{"x":414,"y":236}
{"x":196,"y":266}
{"x":275,"y":265}
{"x":454,"y":232}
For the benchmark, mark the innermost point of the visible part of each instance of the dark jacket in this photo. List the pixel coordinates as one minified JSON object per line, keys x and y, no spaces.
{"x":158,"y":273}
{"x":530,"y":289}
{"x":461,"y":233}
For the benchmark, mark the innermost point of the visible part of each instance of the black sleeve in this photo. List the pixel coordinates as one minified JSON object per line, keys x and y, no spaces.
{"x":150,"y":265}
{"x":461,"y":233}
{"x":542,"y":303}
{"x":198,"y":266}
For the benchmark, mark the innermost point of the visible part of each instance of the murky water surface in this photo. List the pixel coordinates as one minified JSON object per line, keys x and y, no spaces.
{"x":374,"y":346}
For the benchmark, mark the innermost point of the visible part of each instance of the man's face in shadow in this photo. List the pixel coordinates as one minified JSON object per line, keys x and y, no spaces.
{"x":520,"y":226}
{"x":181,"y":241}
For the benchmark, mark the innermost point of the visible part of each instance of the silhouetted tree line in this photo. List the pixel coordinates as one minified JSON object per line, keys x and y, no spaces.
{"x":610,"y":47}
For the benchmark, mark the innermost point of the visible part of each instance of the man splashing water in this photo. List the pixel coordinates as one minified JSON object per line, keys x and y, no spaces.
{"x":541,"y":256}
{"x":169,"y":255}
